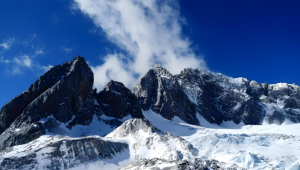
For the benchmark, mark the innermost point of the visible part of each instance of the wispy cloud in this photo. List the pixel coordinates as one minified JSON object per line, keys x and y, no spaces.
{"x":23,"y":61}
{"x":45,"y":68}
{"x":26,"y":42}
{"x":55,"y":20}
{"x":19,"y":64}
{"x":66,"y":49}
{"x":93,"y":30}
{"x":39,"y":49}
{"x":73,"y":7}
{"x":38,"y":52}
{"x":2,"y":60}
{"x":6,"y":43}
{"x":150,"y":31}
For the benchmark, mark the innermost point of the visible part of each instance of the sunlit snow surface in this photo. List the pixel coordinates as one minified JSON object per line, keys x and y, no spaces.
{"x":252,"y":147}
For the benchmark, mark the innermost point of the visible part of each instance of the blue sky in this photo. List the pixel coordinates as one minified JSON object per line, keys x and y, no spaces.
{"x":258,"y":40}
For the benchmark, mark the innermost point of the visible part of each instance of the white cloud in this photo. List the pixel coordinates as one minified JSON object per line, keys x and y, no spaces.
{"x":45,"y":68}
{"x":15,"y":70}
{"x":149,"y":30}
{"x":39,"y":49}
{"x":6,"y":43}
{"x":23,"y":61}
{"x":113,"y":69}
{"x":34,"y":35}
{"x":26,"y":42}
{"x":55,"y":20}
{"x":19,"y":64}
{"x":2,"y":60}
{"x":66,"y":49}
{"x":38,"y":52}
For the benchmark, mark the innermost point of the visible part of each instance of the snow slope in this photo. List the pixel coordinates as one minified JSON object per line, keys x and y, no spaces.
{"x":148,"y":142}
{"x":61,"y":152}
{"x":251,"y":146}
{"x":248,"y":146}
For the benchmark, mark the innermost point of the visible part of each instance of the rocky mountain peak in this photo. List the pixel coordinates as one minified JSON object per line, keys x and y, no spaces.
{"x":114,"y":86}
{"x":161,"y":72}
{"x":117,"y":101}
{"x":160,"y":91}
{"x":132,"y":126}
{"x":59,"y":93}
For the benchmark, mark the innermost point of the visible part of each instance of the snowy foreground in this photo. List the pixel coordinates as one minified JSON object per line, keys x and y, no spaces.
{"x":251,"y":147}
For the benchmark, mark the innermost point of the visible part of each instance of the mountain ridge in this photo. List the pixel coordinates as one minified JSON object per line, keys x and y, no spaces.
{"x":62,"y":104}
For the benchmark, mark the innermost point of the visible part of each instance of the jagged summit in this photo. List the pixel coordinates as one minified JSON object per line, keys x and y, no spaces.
{"x":221,"y":98}
{"x":118,"y":101}
{"x":160,"y":91}
{"x":61,"y":122}
{"x":60,"y":93}
{"x":16,"y":106}
{"x":217,"y":98}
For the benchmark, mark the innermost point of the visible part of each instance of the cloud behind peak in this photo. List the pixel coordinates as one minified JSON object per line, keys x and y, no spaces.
{"x":150,"y":32}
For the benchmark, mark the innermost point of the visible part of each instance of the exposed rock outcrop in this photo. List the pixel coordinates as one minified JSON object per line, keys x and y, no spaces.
{"x":61,"y":153}
{"x":77,"y":73}
{"x":160,"y":91}
{"x":220,"y":98}
{"x":61,"y":100}
{"x":117,"y":101}
{"x":217,"y":98}
{"x":194,"y":164}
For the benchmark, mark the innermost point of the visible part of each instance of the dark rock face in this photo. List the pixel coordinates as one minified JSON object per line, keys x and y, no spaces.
{"x":64,"y":154}
{"x":16,"y":106}
{"x":217,"y":98}
{"x":117,"y":101}
{"x":160,"y":91}
{"x":61,"y":100}
{"x":85,"y":114}
{"x":195,"y":164}
{"x":220,"y":98}
{"x":114,"y":101}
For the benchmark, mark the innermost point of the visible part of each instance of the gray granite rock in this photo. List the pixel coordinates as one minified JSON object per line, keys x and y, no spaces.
{"x":194,"y":164}
{"x":60,"y":101}
{"x":117,"y":101}
{"x":63,"y":153}
{"x":160,"y":91}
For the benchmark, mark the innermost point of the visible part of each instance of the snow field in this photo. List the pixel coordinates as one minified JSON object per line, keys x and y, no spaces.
{"x":251,"y":147}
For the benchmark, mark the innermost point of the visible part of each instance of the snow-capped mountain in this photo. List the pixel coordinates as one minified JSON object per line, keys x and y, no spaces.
{"x":217,"y":98}
{"x":196,"y":119}
{"x":220,"y":98}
